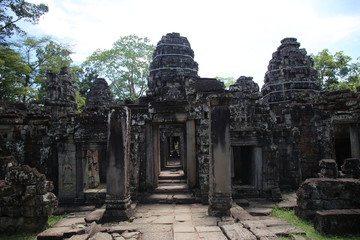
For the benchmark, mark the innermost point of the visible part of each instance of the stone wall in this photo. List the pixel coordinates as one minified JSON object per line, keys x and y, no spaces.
{"x":26,"y":200}
{"x":329,"y":192}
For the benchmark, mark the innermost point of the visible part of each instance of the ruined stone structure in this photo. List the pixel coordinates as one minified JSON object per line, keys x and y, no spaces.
{"x":228,"y":144}
{"x":26,"y":199}
{"x":332,"y":201}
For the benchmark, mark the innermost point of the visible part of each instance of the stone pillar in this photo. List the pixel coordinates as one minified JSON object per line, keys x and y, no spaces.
{"x":149,"y":156}
{"x":354,"y":141}
{"x":220,"y":157}
{"x":257,"y":157}
{"x":156,"y":142}
{"x":117,"y":182}
{"x":190,"y":153}
{"x":67,"y":171}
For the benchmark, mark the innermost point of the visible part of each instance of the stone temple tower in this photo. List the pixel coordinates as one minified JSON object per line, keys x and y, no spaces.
{"x":290,"y":74}
{"x":172,"y":68}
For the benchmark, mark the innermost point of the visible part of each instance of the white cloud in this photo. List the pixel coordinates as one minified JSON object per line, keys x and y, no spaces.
{"x":231,"y":37}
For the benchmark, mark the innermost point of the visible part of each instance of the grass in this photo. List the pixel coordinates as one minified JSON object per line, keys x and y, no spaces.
{"x":30,"y":235}
{"x":306,"y":226}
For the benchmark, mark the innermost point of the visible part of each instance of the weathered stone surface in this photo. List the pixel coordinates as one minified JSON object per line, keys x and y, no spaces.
{"x":338,"y":222}
{"x":328,"y":169}
{"x":351,"y":167}
{"x":61,"y":96}
{"x":99,"y":97}
{"x":101,"y":236}
{"x":25,"y":200}
{"x":318,"y":194}
{"x":237,"y":231}
{"x":95,"y":216}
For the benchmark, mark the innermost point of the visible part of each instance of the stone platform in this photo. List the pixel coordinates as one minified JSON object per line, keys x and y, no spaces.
{"x":175,"y":222}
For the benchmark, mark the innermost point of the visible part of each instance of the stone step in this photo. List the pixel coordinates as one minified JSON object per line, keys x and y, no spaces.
{"x":171,"y":175}
{"x":187,"y":198}
{"x":172,"y":188}
{"x":170,"y":181}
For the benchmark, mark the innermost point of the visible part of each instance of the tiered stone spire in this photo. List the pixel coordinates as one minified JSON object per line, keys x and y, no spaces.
{"x":173,"y":63}
{"x":99,"y":96}
{"x":290,"y":74}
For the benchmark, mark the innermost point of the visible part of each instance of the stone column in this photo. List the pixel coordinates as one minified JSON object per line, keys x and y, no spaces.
{"x":149,"y":156}
{"x":257,"y":156}
{"x":190,"y":153}
{"x":67,"y":170}
{"x":220,"y":157}
{"x":354,"y":141}
{"x":117,"y":182}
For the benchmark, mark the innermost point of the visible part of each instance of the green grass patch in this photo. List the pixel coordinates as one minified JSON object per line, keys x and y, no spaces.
{"x":306,"y":226}
{"x":30,"y":235}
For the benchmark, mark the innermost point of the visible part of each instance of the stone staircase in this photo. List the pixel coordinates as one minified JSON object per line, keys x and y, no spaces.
{"x":172,"y":188}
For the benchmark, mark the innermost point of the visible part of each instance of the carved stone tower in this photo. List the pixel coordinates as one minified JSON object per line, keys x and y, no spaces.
{"x":171,"y":68}
{"x":61,"y":95}
{"x":290,"y":74}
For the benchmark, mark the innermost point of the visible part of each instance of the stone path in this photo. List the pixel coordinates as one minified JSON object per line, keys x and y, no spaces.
{"x":178,"y":221}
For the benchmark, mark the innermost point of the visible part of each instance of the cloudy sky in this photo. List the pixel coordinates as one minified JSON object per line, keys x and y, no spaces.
{"x":230,"y":38}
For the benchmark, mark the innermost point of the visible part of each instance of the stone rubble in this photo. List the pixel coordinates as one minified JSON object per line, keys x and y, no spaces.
{"x":26,"y":200}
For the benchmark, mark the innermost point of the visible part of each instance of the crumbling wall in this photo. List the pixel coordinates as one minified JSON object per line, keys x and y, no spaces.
{"x":328,"y":191}
{"x":26,"y":200}
{"x":137,"y":168}
{"x":317,"y":194}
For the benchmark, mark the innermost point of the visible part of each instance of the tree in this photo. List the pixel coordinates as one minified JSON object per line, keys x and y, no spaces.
{"x":41,"y":55}
{"x":13,"y":70}
{"x":226,"y":80}
{"x":12,"y":11}
{"x":83,"y":78}
{"x":336,"y":71}
{"x":125,"y":65}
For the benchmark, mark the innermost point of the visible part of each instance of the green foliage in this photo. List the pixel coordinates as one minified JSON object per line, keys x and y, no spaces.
{"x":85,"y":79}
{"x":306,"y":226}
{"x":12,"y":11}
{"x":125,"y":65}
{"x":13,"y":71}
{"x":226,"y":80}
{"x":41,"y":55}
{"x":336,"y":71}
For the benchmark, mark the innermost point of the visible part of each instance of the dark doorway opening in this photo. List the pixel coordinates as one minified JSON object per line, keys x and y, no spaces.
{"x":342,"y":150}
{"x":342,"y":144}
{"x":243,"y":172}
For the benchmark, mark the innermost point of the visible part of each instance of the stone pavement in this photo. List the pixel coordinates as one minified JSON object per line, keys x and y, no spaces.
{"x":178,"y":221}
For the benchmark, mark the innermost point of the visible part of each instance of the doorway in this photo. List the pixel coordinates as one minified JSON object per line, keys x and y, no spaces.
{"x":247,"y":166}
{"x":243,"y":165}
{"x":342,"y":144}
{"x":171,"y":147}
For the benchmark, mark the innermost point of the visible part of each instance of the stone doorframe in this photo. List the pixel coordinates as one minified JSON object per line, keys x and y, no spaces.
{"x":153,"y":153}
{"x":257,"y":161}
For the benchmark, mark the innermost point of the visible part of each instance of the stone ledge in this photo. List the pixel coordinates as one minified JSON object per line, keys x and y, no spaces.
{"x":338,"y":221}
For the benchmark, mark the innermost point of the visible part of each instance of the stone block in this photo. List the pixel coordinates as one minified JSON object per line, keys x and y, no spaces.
{"x":30,"y":190}
{"x":338,"y":222}
{"x":351,"y":167}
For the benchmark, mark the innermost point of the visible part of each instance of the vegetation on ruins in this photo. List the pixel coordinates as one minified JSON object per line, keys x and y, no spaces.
{"x":226,"y":80}
{"x":336,"y":71}
{"x":306,"y":226}
{"x":125,"y":65}
{"x":40,"y":55}
{"x":12,"y":11}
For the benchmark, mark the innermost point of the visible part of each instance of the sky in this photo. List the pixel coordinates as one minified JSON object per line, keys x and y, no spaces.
{"x":230,"y":38}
